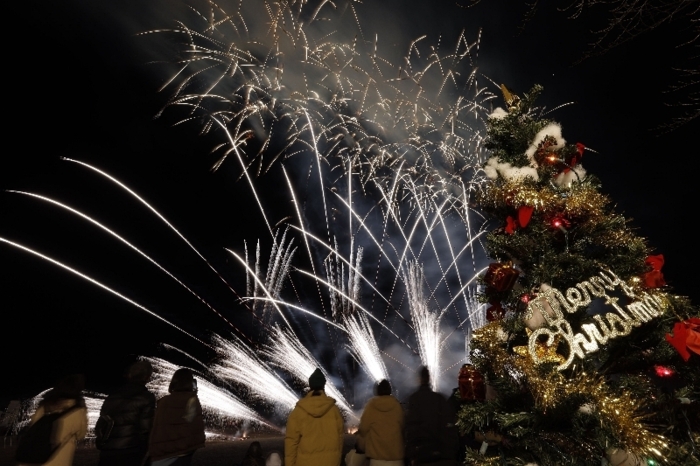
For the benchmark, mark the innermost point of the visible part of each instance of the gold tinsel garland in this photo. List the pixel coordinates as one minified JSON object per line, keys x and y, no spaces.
{"x":580,"y":201}
{"x":619,"y":411}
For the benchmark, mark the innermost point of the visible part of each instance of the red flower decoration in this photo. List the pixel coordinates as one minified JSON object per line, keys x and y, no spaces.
{"x":686,"y":336}
{"x":654,"y":278}
{"x":524,"y":216}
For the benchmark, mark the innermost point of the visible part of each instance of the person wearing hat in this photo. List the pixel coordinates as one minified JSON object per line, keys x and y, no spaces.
{"x":381,"y":428}
{"x":314,"y":428}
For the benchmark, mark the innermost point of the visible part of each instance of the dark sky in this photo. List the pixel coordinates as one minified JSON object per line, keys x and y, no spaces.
{"x":77,"y":84}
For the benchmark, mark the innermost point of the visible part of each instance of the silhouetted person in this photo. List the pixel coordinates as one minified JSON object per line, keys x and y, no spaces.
{"x":381,"y":428}
{"x":126,"y":417}
{"x":63,"y":415}
{"x":178,"y":427}
{"x":314,"y":428}
{"x":431,"y":437}
{"x":254,"y":456}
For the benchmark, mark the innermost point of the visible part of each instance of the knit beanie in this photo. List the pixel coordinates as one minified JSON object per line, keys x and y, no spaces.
{"x":317,"y":381}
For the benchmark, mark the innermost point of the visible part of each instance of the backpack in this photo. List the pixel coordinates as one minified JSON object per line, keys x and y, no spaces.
{"x":35,"y":445}
{"x":103,"y":429}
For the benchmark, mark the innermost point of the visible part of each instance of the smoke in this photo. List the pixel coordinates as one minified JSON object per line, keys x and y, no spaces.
{"x":362,"y":137}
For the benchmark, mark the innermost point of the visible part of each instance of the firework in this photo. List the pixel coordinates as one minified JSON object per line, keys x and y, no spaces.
{"x":379,"y":157}
{"x":218,"y":404}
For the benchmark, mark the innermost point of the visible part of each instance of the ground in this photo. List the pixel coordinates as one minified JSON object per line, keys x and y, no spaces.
{"x":216,"y":453}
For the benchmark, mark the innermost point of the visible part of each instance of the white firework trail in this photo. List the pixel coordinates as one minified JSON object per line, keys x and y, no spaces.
{"x":101,"y":285}
{"x":240,"y":366}
{"x":425,"y":322}
{"x":93,"y":404}
{"x":216,"y":402}
{"x":350,"y":287}
{"x":364,"y":348}
{"x":130,"y":245}
{"x":379,"y":156}
{"x":284,"y":350}
{"x":278,"y":266}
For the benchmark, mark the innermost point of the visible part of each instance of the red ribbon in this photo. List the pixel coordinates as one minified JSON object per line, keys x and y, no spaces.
{"x":511,"y":225}
{"x":524,"y":216}
{"x":495,"y":311}
{"x":654,"y":278}
{"x":686,"y":336}
{"x":573,"y":161}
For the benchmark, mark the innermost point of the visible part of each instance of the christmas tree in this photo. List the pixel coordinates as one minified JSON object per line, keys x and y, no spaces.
{"x":588,"y":357}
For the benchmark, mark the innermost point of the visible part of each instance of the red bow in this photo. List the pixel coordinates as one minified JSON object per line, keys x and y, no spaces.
{"x":524,"y":216}
{"x":686,"y":336}
{"x":495,"y":311}
{"x":654,"y":278}
{"x":575,"y":159}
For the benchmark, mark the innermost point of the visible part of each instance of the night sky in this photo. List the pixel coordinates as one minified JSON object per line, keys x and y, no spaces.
{"x":78,"y":84}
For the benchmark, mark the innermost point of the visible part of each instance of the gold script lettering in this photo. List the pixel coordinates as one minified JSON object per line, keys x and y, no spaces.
{"x":619,"y":323}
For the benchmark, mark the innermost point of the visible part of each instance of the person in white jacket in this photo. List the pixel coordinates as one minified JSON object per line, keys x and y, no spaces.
{"x":71,"y":426}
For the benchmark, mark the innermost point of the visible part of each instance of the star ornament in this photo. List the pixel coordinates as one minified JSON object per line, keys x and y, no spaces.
{"x":543,"y":353}
{"x":610,"y":300}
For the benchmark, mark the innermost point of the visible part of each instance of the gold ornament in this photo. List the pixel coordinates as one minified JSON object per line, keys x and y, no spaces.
{"x":545,"y":353}
{"x":620,"y":457}
{"x":511,"y":99}
{"x":618,"y":410}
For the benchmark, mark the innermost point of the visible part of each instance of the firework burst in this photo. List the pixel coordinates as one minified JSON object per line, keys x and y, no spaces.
{"x":375,"y":258}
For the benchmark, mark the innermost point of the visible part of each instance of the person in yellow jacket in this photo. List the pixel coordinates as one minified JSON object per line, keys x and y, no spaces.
{"x":381,"y":428}
{"x":314,"y":428}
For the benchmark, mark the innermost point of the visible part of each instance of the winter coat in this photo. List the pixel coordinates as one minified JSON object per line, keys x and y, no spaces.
{"x":178,"y":426}
{"x":132,"y":408}
{"x":381,"y":426}
{"x":67,"y":430}
{"x":430,"y":431}
{"x":314,"y":432}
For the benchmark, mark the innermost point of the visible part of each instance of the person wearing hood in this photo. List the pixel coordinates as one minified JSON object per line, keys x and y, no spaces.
{"x":381,"y":428}
{"x":314,"y":428}
{"x":126,"y":417}
{"x":65,"y":404}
